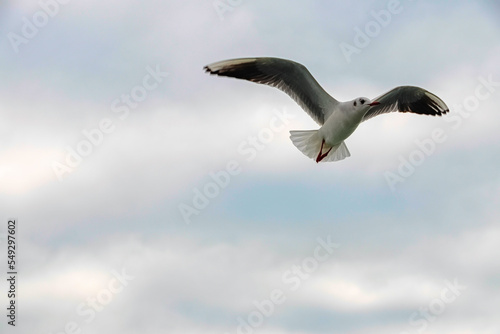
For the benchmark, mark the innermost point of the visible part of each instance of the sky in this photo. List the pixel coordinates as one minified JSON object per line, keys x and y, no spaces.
{"x":150,"y":197}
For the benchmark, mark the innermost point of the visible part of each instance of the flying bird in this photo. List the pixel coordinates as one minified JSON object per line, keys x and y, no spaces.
{"x":338,"y":120}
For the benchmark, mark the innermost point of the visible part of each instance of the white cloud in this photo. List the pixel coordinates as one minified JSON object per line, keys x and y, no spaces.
{"x":179,"y":276}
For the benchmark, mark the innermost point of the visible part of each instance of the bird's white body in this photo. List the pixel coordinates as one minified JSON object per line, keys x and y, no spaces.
{"x":341,"y":123}
{"x":338,"y":120}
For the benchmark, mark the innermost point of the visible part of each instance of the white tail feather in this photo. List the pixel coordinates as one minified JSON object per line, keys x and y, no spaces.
{"x":309,"y":143}
{"x":340,"y":152}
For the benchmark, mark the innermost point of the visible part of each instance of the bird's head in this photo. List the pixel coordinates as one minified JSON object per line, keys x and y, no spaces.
{"x":363,"y":101}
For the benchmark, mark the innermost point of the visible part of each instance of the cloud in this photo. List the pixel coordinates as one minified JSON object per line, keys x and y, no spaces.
{"x":183,"y":277}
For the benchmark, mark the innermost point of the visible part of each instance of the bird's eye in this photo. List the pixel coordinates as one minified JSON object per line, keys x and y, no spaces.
{"x":355,"y":104}
{"x":362,"y":101}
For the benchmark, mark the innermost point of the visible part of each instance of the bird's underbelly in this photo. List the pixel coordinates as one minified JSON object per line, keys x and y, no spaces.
{"x":337,"y":132}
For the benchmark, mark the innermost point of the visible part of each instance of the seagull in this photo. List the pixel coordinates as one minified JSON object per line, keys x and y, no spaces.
{"x":338,"y":120}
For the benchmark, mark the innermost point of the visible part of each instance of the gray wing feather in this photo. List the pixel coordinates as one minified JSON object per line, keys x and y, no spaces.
{"x":408,"y":99}
{"x":288,"y":76}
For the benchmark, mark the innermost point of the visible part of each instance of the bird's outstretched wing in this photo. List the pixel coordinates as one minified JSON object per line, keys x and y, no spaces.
{"x":288,"y":76}
{"x":407,"y":99}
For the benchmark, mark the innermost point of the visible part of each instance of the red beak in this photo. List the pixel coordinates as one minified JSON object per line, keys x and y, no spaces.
{"x":373,"y":103}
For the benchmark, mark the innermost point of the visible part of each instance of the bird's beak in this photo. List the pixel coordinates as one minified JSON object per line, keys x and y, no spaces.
{"x":373,"y":103}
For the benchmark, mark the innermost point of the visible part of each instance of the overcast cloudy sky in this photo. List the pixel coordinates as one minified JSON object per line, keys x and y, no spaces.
{"x":153,"y":198}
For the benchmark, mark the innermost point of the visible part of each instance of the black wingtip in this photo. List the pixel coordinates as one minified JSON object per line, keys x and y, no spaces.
{"x":209,"y":70}
{"x":441,"y":112}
